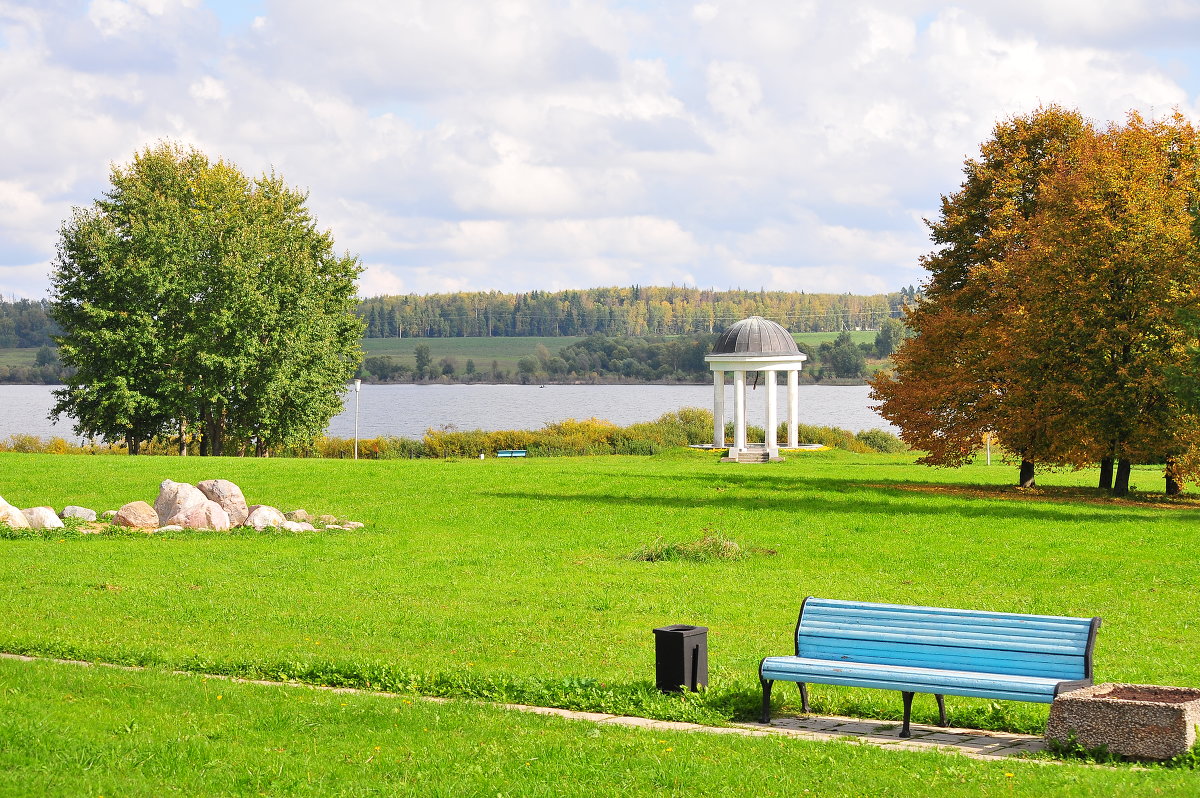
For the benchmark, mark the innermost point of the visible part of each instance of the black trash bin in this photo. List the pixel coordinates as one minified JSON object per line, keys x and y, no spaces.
{"x":680,"y":657}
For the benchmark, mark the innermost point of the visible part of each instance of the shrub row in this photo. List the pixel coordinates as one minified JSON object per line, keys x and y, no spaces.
{"x":563,"y":438}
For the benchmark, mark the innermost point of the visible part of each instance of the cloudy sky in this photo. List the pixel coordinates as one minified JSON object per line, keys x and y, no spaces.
{"x":534,"y":144}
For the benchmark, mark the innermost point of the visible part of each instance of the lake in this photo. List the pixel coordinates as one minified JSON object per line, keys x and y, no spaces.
{"x":408,"y":410}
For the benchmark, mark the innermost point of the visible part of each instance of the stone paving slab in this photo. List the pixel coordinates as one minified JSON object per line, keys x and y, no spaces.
{"x":885,"y":734}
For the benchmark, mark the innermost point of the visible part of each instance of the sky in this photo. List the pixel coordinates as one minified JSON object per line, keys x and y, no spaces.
{"x":517,"y":145}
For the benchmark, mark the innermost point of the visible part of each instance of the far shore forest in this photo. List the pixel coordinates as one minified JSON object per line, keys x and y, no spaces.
{"x":603,"y":336}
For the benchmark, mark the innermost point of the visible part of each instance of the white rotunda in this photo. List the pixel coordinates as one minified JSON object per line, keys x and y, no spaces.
{"x":755,"y":345}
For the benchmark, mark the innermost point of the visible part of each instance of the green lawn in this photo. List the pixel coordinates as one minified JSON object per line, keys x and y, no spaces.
{"x":513,"y":579}
{"x":71,"y":731}
{"x":18,"y":357}
{"x":506,"y":351}
{"x":817,"y":338}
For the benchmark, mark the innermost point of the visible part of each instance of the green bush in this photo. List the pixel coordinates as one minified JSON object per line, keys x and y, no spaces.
{"x":881,"y":441}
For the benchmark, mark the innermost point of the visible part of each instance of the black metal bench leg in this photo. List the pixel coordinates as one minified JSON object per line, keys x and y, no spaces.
{"x":766,"y":713}
{"x":803,"y":695}
{"x":941,"y":709}
{"x":908,"y":697}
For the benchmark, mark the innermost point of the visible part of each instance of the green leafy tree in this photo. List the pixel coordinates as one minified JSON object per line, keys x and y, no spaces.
{"x":890,"y":335}
{"x":196,"y":300}
{"x":847,"y":360}
{"x":423,"y":358}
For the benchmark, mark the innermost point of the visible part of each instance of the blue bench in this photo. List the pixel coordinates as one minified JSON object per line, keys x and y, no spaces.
{"x":511,"y":453}
{"x":935,"y":650}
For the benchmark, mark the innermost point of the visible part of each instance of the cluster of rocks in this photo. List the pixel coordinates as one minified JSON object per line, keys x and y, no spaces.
{"x":215,"y":504}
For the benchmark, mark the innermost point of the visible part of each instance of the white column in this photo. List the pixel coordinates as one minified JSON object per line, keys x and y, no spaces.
{"x":739,"y":412}
{"x":793,"y":408}
{"x":772,"y":415}
{"x":718,"y":409}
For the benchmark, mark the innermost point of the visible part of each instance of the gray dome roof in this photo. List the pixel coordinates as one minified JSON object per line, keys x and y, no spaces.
{"x":756,"y":336}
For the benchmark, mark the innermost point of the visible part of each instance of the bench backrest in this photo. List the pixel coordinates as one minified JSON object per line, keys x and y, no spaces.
{"x":935,"y":637}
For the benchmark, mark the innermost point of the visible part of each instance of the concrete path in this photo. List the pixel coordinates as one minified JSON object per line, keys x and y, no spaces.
{"x":968,"y":742}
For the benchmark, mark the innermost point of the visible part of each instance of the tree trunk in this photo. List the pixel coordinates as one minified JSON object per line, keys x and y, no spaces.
{"x":1106,"y":474}
{"x":260,"y":448}
{"x":1026,"y":478}
{"x":132,"y":444}
{"x":214,"y":428}
{"x":183,"y":437}
{"x":1121,"y":485}
{"x":1173,"y":485}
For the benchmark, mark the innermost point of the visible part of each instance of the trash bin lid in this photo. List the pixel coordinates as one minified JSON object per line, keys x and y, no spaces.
{"x":681,"y":628}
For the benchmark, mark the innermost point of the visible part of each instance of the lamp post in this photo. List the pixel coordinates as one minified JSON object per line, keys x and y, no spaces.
{"x":357,"y":389}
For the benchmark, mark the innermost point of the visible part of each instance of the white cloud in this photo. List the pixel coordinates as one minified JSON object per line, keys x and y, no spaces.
{"x":536,"y":144}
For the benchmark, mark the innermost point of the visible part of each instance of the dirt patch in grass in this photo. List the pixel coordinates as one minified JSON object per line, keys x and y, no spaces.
{"x":1057,"y":494}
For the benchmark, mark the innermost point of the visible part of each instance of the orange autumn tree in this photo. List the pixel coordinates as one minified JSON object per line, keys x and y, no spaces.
{"x":1107,"y":272}
{"x":1064,"y":323}
{"x":950,"y":379}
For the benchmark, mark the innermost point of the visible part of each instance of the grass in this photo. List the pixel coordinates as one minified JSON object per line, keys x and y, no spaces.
{"x":25,"y":356}
{"x":506,"y":351}
{"x":94,"y":731}
{"x":818,"y":338}
{"x":514,"y":580}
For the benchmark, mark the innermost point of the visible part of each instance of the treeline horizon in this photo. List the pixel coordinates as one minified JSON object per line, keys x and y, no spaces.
{"x":615,"y":311}
{"x":632,"y":311}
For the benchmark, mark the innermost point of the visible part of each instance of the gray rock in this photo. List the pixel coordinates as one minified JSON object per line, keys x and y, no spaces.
{"x":138,"y":515}
{"x":298,"y":515}
{"x":262,"y":516}
{"x":74,"y":511}
{"x":175,"y":498}
{"x":42,"y":518}
{"x":208,"y":515}
{"x":228,"y":496}
{"x":12,"y":516}
{"x":327,"y":519}
{"x":352,"y":525}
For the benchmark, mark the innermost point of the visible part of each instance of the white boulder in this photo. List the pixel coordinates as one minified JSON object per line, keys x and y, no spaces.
{"x":12,"y":516}
{"x":42,"y":518}
{"x":207,"y":515}
{"x":175,"y":498}
{"x":262,"y":516}
{"x":75,"y":511}
{"x":229,"y":496}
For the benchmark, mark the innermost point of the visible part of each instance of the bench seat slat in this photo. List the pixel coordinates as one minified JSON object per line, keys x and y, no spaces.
{"x":1016,"y":663}
{"x":817,"y":604}
{"x":998,"y":642}
{"x":797,"y":668}
{"x":1020,"y":691}
{"x":1058,"y":631}
{"x":950,"y":637}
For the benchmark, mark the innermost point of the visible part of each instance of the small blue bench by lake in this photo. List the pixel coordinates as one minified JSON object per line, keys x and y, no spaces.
{"x":511,"y":453}
{"x":913,"y":649}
